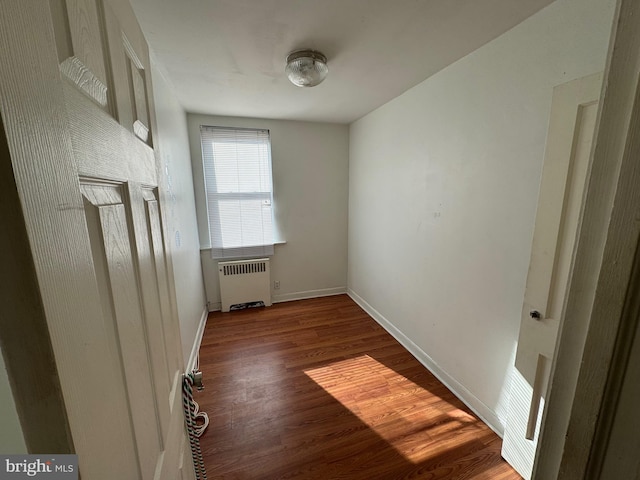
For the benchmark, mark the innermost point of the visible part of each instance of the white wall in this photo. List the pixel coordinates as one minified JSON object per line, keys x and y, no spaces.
{"x":11,"y":438}
{"x":310,"y":181}
{"x":173,"y":144}
{"x":443,"y":184}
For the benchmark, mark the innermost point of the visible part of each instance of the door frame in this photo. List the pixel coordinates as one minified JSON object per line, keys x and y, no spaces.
{"x":563,"y":184}
{"x":600,"y":287}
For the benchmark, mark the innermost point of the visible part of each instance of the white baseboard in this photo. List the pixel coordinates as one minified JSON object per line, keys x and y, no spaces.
{"x":193,"y":356}
{"x":323,"y":292}
{"x":487,"y":415}
{"x":289,"y":297}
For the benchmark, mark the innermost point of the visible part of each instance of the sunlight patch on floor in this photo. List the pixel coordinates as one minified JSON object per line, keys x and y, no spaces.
{"x":411,"y":426}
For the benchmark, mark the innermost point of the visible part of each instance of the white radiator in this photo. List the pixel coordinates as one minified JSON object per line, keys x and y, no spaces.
{"x":244,"y":282}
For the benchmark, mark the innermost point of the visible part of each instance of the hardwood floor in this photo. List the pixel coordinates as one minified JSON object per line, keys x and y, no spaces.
{"x":316,"y":389}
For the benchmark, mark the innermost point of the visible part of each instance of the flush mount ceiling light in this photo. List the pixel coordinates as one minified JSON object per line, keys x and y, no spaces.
{"x":306,"y":68}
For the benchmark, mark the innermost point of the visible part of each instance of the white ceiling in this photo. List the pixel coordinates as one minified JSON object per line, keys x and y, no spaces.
{"x":226,"y":57}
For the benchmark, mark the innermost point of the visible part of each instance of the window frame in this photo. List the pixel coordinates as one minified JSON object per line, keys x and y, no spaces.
{"x":214,"y":198}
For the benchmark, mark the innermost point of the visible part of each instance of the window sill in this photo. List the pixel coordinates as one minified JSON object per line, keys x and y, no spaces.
{"x":279,"y":242}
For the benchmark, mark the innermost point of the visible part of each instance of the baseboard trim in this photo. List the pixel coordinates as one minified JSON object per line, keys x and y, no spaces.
{"x":193,"y":356}
{"x":323,"y":292}
{"x":469,"y":399}
{"x":290,"y":297}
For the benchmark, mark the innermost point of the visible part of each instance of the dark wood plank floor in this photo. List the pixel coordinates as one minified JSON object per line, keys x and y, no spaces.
{"x":316,"y":389}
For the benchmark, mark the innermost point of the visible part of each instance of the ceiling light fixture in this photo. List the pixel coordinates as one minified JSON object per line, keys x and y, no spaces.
{"x":306,"y":68}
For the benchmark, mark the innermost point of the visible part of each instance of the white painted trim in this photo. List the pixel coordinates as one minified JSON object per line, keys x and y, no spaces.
{"x":487,"y":415}
{"x":602,"y":286}
{"x":289,"y":297}
{"x":323,"y":292}
{"x":204,"y":248}
{"x":193,"y":357}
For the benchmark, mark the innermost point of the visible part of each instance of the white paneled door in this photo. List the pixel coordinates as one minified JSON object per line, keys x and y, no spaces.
{"x":76,"y":107}
{"x":565,"y":172}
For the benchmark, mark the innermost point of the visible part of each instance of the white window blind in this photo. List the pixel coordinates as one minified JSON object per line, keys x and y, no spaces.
{"x":237,"y":172}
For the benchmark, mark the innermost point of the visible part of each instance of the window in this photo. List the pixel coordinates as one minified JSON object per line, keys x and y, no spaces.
{"x":237,"y":172}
